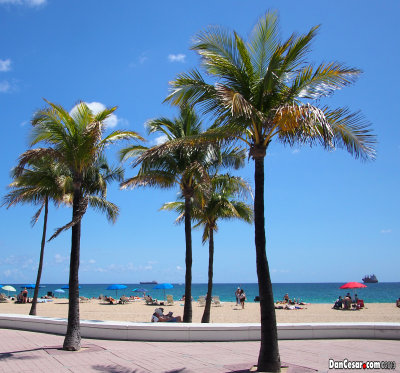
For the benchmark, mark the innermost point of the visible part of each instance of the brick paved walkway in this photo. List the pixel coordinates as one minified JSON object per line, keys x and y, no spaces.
{"x":22,"y":351}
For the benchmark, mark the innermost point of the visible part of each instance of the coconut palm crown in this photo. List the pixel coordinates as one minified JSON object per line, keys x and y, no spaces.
{"x":186,"y":166}
{"x":40,"y":182}
{"x":261,"y":90}
{"x":77,"y":141}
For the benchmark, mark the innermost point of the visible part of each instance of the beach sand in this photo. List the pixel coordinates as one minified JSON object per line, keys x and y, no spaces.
{"x":138,"y":311}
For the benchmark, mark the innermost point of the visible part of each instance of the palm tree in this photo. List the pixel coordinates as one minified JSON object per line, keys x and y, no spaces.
{"x":43,"y":180}
{"x":207,"y":210}
{"x":265,"y":90}
{"x":76,"y":141}
{"x":184,"y":166}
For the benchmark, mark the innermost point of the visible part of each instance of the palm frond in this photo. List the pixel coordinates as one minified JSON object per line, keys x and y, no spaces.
{"x":77,"y":218}
{"x":263,"y":41}
{"x":110,"y":209}
{"x":322,"y":81}
{"x":35,"y":217}
{"x":154,"y":178}
{"x":352,"y":132}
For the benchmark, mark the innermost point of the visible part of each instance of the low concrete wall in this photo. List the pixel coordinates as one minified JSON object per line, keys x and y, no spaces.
{"x":200,"y":332}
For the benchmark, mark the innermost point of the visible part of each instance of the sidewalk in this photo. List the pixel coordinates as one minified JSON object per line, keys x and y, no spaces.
{"x":22,"y":351}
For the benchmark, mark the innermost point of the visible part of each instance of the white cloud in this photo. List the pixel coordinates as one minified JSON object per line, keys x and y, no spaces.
{"x":295,"y":151}
{"x":5,"y":86}
{"x":386,"y":231}
{"x":179,"y":268}
{"x":31,"y":3}
{"x":177,"y":57}
{"x":92,"y":261}
{"x":111,"y":122}
{"x":143,"y":58}
{"x":160,"y":139}
{"x":274,"y":270}
{"x":58,"y":258}
{"x":5,"y":65}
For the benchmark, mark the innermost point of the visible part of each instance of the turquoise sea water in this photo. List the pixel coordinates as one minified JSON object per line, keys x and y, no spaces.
{"x":383,"y":292}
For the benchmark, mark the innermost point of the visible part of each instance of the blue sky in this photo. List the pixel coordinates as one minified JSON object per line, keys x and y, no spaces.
{"x":328,"y":217}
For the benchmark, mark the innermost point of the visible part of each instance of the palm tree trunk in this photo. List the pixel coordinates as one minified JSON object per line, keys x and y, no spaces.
{"x":39,"y":272}
{"x":268,"y":359}
{"x":187,"y":310}
{"x":207,"y":308}
{"x":72,"y":341}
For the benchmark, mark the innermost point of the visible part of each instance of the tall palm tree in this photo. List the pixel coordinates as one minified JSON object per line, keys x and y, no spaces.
{"x":184,"y":166}
{"x":221,"y":204}
{"x":42,"y":181}
{"x":264,"y":90}
{"x":76,"y":141}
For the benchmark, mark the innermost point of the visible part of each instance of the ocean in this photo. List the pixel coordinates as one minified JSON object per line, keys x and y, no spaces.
{"x":382,"y":292}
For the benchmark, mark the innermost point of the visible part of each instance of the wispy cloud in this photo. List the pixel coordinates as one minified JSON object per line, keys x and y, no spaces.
{"x":58,"y":258}
{"x":141,"y":60}
{"x":179,"y":268}
{"x":5,"y":65}
{"x":274,"y":270}
{"x":31,"y":3}
{"x":111,"y":122}
{"x":5,"y":86}
{"x":177,"y":57}
{"x":296,"y":151}
{"x":386,"y":231}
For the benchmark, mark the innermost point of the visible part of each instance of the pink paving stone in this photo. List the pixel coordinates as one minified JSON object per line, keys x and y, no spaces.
{"x":22,"y":351}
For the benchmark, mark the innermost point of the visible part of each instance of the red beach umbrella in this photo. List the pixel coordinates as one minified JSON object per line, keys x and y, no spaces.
{"x":353,"y":285}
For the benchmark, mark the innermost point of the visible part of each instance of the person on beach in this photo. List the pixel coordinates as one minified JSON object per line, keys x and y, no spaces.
{"x":339,"y":303}
{"x":237,"y":295}
{"x":398,"y":302}
{"x":25,"y":295}
{"x":242,"y":297}
{"x":286,"y":298}
{"x":158,"y":316}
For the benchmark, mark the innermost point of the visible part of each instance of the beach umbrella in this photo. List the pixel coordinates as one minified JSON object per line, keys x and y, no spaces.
{"x":140,"y":290}
{"x":116,"y":287}
{"x":59,"y":291}
{"x":164,"y":286}
{"x":28,"y":286}
{"x":353,"y":285}
{"x":9,"y":288}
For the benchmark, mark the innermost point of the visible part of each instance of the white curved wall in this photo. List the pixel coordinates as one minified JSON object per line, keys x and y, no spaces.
{"x":200,"y":332}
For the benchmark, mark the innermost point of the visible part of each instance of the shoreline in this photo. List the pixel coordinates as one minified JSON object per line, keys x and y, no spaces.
{"x":138,"y":311}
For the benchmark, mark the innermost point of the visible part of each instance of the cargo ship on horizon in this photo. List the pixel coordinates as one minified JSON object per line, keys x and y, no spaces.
{"x":370,"y":279}
{"x":148,"y":282}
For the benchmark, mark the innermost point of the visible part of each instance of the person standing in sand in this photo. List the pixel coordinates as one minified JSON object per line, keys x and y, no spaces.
{"x":25,"y":295}
{"x":237,"y":295}
{"x":242,"y":297}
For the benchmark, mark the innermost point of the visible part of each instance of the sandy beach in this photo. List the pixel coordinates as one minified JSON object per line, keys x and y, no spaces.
{"x":138,"y":311}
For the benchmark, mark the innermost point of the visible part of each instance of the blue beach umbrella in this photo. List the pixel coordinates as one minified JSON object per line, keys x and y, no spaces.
{"x":140,"y":290}
{"x":28,"y":286}
{"x":164,"y":286}
{"x":116,"y":287}
{"x":59,"y":291}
